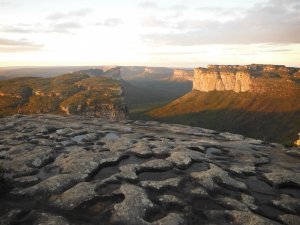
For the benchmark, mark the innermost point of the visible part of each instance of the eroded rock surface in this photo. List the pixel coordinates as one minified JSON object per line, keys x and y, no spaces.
{"x":76,"y":170}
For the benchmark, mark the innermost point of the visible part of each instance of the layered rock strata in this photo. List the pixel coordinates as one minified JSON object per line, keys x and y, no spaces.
{"x":206,"y":81}
{"x":254,"y":78}
{"x":180,"y":74}
{"x":78,"y":170}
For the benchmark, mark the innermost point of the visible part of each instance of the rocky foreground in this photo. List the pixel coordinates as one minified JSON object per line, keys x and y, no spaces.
{"x":75,"y":170}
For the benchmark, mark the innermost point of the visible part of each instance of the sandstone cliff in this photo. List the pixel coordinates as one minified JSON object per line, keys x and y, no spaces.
{"x":181,"y":74}
{"x":254,"y":78}
{"x":208,"y":80}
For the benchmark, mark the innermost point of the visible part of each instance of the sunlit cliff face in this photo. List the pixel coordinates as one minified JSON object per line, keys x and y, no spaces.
{"x":261,"y":79}
{"x":221,"y":81}
{"x":149,"y":32}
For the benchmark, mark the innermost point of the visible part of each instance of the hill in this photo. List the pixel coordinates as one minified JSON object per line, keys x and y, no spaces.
{"x":264,"y":104}
{"x":72,"y":93}
{"x":144,"y":88}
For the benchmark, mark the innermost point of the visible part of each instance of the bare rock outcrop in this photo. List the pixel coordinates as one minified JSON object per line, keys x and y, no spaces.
{"x":88,"y":171}
{"x":182,"y":75}
{"x":206,"y":80}
{"x":254,"y":78}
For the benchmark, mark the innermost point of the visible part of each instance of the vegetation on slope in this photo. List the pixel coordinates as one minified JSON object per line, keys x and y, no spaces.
{"x":145,"y":95}
{"x":272,"y":118}
{"x":72,"y":93}
{"x":96,"y":93}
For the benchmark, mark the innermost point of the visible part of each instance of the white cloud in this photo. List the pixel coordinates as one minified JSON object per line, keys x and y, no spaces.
{"x":178,"y":32}
{"x":64,"y":27}
{"x":273,"y":22}
{"x":152,"y":21}
{"x":11,"y":45}
{"x":110,"y":22}
{"x":69,"y":14}
{"x":147,"y":4}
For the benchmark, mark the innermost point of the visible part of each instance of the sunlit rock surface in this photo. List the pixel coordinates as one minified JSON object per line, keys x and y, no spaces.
{"x":297,"y":142}
{"x":78,"y":170}
{"x":183,"y":75}
{"x":254,"y":78}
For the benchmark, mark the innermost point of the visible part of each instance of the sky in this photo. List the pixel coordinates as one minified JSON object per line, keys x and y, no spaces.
{"x":174,"y":33}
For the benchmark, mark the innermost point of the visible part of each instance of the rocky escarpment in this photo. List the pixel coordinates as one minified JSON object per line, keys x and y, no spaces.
{"x":75,"y":170}
{"x":183,"y":75}
{"x":113,"y":72}
{"x":206,"y":80}
{"x":254,"y":78}
{"x":100,"y":97}
{"x":81,"y":93}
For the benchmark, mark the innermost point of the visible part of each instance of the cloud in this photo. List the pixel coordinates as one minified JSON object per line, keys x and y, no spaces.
{"x":70,"y":14}
{"x":65,"y":27}
{"x":15,"y":29}
{"x":169,"y":53}
{"x":11,"y":45}
{"x":147,"y":4}
{"x":56,"y":27}
{"x":276,"y":21}
{"x":178,"y":7}
{"x":280,"y":50}
{"x":5,"y":3}
{"x":221,"y":13}
{"x":151,"y":21}
{"x":111,"y":22}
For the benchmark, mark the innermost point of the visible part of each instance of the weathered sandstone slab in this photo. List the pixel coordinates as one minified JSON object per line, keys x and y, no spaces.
{"x":80,"y":170}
